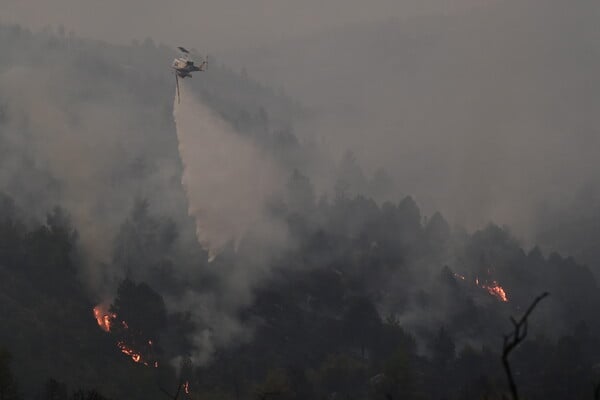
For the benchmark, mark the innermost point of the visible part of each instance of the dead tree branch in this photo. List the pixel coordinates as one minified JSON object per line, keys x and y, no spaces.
{"x":174,"y":397}
{"x":512,"y":340}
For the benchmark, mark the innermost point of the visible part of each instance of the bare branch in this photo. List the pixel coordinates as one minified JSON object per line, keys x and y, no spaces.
{"x":174,"y":397}
{"x":512,"y":340}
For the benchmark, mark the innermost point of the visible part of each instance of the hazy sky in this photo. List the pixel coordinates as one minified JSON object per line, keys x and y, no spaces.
{"x":484,"y":115}
{"x":211,"y":24}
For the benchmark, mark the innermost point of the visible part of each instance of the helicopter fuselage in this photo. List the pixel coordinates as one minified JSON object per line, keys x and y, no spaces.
{"x":184,"y":68}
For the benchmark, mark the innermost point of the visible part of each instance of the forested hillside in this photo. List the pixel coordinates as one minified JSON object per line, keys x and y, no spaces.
{"x":105,"y":292}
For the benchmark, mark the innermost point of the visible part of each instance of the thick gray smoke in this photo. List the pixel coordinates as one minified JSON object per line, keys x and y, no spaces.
{"x":68,"y":148}
{"x":228,"y":180}
{"x":484,"y":115}
{"x":454,"y":104}
{"x":76,"y":147}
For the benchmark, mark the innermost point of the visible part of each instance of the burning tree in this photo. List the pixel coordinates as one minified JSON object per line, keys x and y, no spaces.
{"x":141,"y":316}
{"x":136,"y":319}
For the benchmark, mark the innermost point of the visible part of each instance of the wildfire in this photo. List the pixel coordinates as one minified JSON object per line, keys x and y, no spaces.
{"x":103,"y":317}
{"x":135,"y":356}
{"x":130,"y":352}
{"x":494,"y":289}
{"x":497,"y":291}
{"x":105,"y":320}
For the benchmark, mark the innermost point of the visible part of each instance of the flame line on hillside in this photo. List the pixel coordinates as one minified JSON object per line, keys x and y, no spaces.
{"x":494,"y":289}
{"x":105,"y":320}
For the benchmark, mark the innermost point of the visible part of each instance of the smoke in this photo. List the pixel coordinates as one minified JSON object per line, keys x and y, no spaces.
{"x":482,"y":115}
{"x":231,"y":25}
{"x":66,"y":142}
{"x":46,"y":134}
{"x":228,"y":180}
{"x":82,"y":129}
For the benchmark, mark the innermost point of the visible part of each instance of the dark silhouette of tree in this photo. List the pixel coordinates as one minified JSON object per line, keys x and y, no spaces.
{"x":8,"y":384}
{"x":141,"y":316}
{"x":399,"y":379}
{"x":300,"y":193}
{"x":438,"y":233}
{"x":443,"y":348}
{"x":362,"y":324}
{"x":51,"y":245}
{"x":88,"y":395}
{"x":12,"y":232}
{"x":175,"y":395}
{"x":409,"y":215}
{"x":144,"y":245}
{"x":340,"y":373}
{"x":54,"y":390}
{"x":512,"y":340}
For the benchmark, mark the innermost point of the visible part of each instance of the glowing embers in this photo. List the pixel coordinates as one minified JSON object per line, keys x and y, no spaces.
{"x":492,"y":287}
{"x":106,"y":321}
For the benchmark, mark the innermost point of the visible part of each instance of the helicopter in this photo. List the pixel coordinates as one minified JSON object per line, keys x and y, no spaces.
{"x":184,"y":67}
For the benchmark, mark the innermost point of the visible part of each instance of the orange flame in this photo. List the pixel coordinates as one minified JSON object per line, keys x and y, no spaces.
{"x":103,"y":317}
{"x":130,"y":352}
{"x":497,"y":291}
{"x":494,"y":289}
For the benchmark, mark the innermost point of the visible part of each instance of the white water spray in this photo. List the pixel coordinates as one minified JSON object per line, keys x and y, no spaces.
{"x":226,"y":177}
